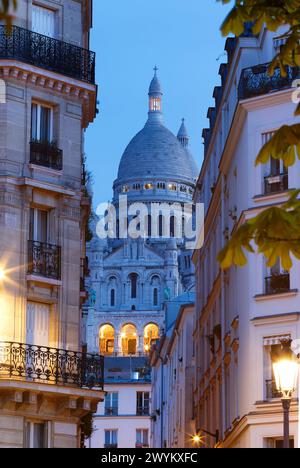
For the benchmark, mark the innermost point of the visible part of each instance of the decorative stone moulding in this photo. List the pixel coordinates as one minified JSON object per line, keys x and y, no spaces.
{"x":11,"y":69}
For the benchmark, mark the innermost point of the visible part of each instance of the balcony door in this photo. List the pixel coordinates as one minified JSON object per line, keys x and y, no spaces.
{"x":39,"y":225}
{"x":43,"y":21}
{"x":41,"y":123}
{"x":37,"y":324}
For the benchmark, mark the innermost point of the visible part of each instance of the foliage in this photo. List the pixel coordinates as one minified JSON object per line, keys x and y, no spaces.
{"x":6,"y":7}
{"x":276,"y":231}
{"x":87,"y":428}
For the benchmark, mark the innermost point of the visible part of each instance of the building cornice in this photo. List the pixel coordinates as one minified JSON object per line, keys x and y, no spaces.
{"x":51,"y":81}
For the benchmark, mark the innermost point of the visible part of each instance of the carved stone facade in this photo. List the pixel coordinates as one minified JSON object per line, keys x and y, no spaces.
{"x":43,"y":212}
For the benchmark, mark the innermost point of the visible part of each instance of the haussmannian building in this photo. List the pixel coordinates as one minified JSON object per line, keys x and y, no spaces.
{"x":243,"y":314}
{"x":48,"y":382}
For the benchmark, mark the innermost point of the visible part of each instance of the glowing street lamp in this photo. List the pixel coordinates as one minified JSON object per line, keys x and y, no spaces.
{"x":2,"y":274}
{"x":286,"y":370}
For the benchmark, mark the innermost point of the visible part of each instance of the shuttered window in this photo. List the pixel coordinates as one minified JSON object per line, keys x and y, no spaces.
{"x":43,"y":21}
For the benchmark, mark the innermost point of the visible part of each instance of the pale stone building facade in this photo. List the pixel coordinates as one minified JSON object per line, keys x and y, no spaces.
{"x":48,"y":77}
{"x":173,"y":368}
{"x":243,"y":314}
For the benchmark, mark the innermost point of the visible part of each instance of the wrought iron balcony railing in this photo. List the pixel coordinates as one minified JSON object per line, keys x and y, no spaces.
{"x":20,"y":361}
{"x":44,"y":260}
{"x":276,"y":183}
{"x":271,"y":390}
{"x":110,"y":446}
{"x":277,"y":284}
{"x":47,"y":52}
{"x":256,"y":81}
{"x":46,"y":154}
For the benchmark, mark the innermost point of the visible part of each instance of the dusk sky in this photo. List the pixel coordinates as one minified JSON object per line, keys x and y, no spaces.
{"x":130,"y":37}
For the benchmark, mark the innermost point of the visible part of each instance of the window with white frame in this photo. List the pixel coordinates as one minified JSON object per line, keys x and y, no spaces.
{"x":41,"y":122}
{"x":272,"y":348}
{"x":39,"y":225}
{"x":275,"y":173}
{"x":111,"y":438}
{"x":43,"y":20}
{"x":142,"y":438}
{"x":277,"y":443}
{"x":112,"y":404}
{"x":38,"y":435}
{"x":277,"y":280}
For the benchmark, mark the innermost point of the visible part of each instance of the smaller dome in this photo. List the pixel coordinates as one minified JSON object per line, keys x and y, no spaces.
{"x":155,"y":86}
{"x":183,"y":133}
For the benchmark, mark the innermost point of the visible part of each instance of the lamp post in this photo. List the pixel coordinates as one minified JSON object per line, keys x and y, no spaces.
{"x":286,"y":368}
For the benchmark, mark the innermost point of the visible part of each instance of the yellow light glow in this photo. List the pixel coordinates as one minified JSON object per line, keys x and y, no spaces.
{"x":286,"y":376}
{"x":198,"y":439}
{"x":2,"y":274}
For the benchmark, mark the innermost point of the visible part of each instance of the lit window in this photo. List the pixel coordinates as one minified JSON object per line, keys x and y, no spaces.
{"x":172,"y":187}
{"x":148,"y":186}
{"x":155,"y":104}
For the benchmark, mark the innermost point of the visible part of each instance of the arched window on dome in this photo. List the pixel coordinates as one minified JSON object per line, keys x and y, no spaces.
{"x":133,"y":277}
{"x":172,"y":226}
{"x":160,"y":225}
{"x":155,"y":288}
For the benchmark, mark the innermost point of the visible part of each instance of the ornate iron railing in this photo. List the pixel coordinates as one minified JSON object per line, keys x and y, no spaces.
{"x":112,"y":411}
{"x":276,"y":183}
{"x":256,"y":80}
{"x":110,"y":446}
{"x":50,"y":365}
{"x":44,"y":260}
{"x":271,"y":390}
{"x":47,"y":52}
{"x":46,"y":154}
{"x":277,"y":284}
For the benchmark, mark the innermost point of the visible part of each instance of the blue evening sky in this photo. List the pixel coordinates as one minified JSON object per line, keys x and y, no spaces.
{"x":130,"y":37}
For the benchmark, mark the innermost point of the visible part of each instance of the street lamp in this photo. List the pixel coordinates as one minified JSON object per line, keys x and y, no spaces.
{"x":286,"y":368}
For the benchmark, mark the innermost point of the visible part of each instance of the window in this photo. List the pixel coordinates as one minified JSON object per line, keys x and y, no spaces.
{"x":111,"y":438}
{"x":39,"y":225}
{"x":277,"y":280}
{"x":155,"y":104}
{"x":41,"y":123}
{"x":143,"y":403}
{"x":172,"y":187}
{"x":133,"y":285}
{"x":142,"y":438}
{"x":148,"y":186}
{"x":107,"y":340}
{"x":161,"y":186}
{"x":276,"y":174}
{"x":113,"y":298}
{"x":43,"y":20}
{"x":37,"y":435}
{"x":155,"y":297}
{"x":277,"y":443}
{"x":129,"y":340}
{"x":111,"y":404}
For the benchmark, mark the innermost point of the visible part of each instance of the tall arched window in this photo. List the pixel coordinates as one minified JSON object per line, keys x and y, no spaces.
{"x":148,"y":226}
{"x":151,"y":334}
{"x":133,"y":285}
{"x":112,"y":297}
{"x":129,"y":340}
{"x":155,"y":297}
{"x":161,"y":226}
{"x":172,"y":226}
{"x":107,"y":340}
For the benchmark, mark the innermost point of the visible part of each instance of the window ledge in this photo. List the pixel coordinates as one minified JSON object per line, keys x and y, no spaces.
{"x":42,"y":279}
{"x":271,"y":196}
{"x":270,"y":297}
{"x":46,"y":170}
